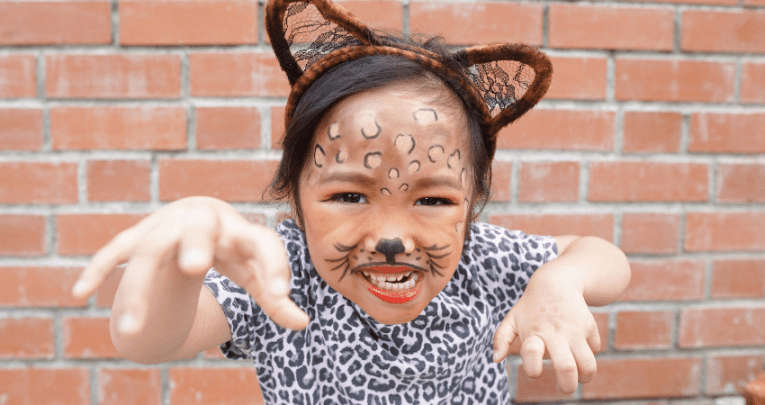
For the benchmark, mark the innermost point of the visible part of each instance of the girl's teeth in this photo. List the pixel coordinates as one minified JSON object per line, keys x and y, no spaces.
{"x":389,"y":282}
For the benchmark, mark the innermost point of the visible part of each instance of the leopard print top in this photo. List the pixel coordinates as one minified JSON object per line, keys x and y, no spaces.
{"x":346,"y":357}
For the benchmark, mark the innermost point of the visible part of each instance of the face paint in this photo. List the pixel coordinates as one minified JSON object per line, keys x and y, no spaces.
{"x":384,"y":218}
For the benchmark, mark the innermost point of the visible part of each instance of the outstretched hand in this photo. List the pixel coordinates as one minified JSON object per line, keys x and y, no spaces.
{"x":187,"y":238}
{"x":551,"y":317}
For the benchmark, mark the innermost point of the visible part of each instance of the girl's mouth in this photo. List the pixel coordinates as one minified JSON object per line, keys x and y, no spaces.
{"x":396,"y":285}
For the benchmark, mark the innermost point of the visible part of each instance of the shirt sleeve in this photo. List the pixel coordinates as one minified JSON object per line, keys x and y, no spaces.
{"x":253,"y":333}
{"x":241,"y":312}
{"x":505,"y":261}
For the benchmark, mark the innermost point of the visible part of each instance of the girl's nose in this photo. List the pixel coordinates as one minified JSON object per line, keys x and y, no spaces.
{"x":390,"y":248}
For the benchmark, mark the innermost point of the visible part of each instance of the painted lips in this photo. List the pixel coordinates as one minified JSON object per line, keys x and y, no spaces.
{"x":393,"y":284}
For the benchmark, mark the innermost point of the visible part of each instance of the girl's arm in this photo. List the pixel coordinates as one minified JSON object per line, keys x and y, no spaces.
{"x":161,"y":311}
{"x":552,"y":316}
{"x":594,"y":266}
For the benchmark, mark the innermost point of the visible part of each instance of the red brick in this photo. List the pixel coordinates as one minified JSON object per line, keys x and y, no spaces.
{"x":738,"y":278}
{"x":732,"y":133}
{"x":753,"y":82}
{"x":379,"y":14}
{"x":648,"y":181}
{"x":644,"y":378}
{"x":233,"y":180}
{"x":644,"y":330}
{"x":26,"y":338}
{"x":41,"y":386}
{"x":84,"y":234}
{"x":277,"y":127}
{"x":501,"y":175}
{"x":119,"y":180}
{"x":560,"y":129}
{"x":741,"y":183}
{"x":478,"y":23}
{"x":129,"y":387}
{"x":87,"y":338}
{"x":548,"y":181}
{"x":542,"y":389}
{"x":156,"y":128}
{"x":708,"y":2}
{"x":228,"y":128}
{"x":674,"y":80}
{"x":725,"y":231}
{"x":578,"y":78}
{"x":652,"y":131}
{"x":584,"y":26}
{"x":188,"y":22}
{"x":236,"y":75}
{"x":55,"y":22}
{"x":18,"y":73}
{"x":754,"y":2}
{"x":218,"y":386}
{"x":723,"y":31}
{"x":650,"y":232}
{"x":600,"y":225}
{"x":38,"y":183}
{"x":731,"y":326}
{"x":729,"y":374}
{"x":21,"y":129}
{"x":666,"y":280}
{"x":23,"y":235}
{"x":113,"y":76}
{"x":39,"y":287}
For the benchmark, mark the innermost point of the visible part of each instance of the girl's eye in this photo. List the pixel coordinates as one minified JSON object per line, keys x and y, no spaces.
{"x":433,"y":201}
{"x":350,"y":198}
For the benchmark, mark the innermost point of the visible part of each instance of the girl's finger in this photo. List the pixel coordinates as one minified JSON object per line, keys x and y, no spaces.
{"x":586,"y":365}
{"x":593,"y":338}
{"x":104,"y":261}
{"x":532,"y":354}
{"x":197,"y":245}
{"x":504,"y":337}
{"x":565,"y":365}
{"x":269,"y":278}
{"x":144,"y":270}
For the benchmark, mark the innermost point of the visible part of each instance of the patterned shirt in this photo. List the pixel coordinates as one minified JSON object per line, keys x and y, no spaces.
{"x":346,"y":357}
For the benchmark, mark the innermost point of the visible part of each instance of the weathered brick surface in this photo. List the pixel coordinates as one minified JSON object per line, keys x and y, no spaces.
{"x":651,"y":136}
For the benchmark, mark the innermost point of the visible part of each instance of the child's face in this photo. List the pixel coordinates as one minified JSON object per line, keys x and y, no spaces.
{"x":385,"y":198}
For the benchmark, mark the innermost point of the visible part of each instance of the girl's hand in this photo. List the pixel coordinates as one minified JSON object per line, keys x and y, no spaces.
{"x":187,"y":238}
{"x":552,"y":317}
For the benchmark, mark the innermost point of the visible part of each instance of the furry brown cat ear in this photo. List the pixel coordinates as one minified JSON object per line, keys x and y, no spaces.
{"x":310,"y":37}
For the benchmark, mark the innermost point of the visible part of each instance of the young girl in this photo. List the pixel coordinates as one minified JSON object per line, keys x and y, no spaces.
{"x":383,"y":290}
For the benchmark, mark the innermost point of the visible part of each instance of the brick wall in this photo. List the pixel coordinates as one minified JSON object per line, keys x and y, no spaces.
{"x":652,"y":136}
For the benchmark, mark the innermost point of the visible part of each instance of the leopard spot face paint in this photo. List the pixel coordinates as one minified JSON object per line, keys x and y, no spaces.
{"x":384,"y":203}
{"x":404,"y":143}
{"x":318,"y":156}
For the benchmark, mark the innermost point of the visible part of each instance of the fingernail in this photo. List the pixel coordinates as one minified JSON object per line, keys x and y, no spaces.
{"x":496,"y":356}
{"x":279,"y":286}
{"x":128,"y":324}
{"x":192,"y":258}
{"x":78,"y":288}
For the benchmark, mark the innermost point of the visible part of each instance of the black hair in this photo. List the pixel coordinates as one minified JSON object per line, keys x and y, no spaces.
{"x":364,"y":74}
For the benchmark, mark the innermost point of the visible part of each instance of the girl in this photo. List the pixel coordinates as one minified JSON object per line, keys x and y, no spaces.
{"x":383,"y":290}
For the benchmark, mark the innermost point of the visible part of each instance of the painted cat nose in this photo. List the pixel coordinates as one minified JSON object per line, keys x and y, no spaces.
{"x":390,"y":248}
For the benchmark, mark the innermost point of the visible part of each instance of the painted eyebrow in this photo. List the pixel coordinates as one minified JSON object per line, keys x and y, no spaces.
{"x":357,"y":178}
{"x":438,"y":181}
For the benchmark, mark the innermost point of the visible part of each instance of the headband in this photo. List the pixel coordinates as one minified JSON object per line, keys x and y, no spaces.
{"x":500,"y":81}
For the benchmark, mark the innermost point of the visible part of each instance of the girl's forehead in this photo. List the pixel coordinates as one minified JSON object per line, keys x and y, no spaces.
{"x":429,"y":115}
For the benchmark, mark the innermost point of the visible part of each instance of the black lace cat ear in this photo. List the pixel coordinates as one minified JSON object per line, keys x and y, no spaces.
{"x":501,"y":81}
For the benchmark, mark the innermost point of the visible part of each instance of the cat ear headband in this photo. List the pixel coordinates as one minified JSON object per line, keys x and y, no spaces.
{"x":500,"y":81}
